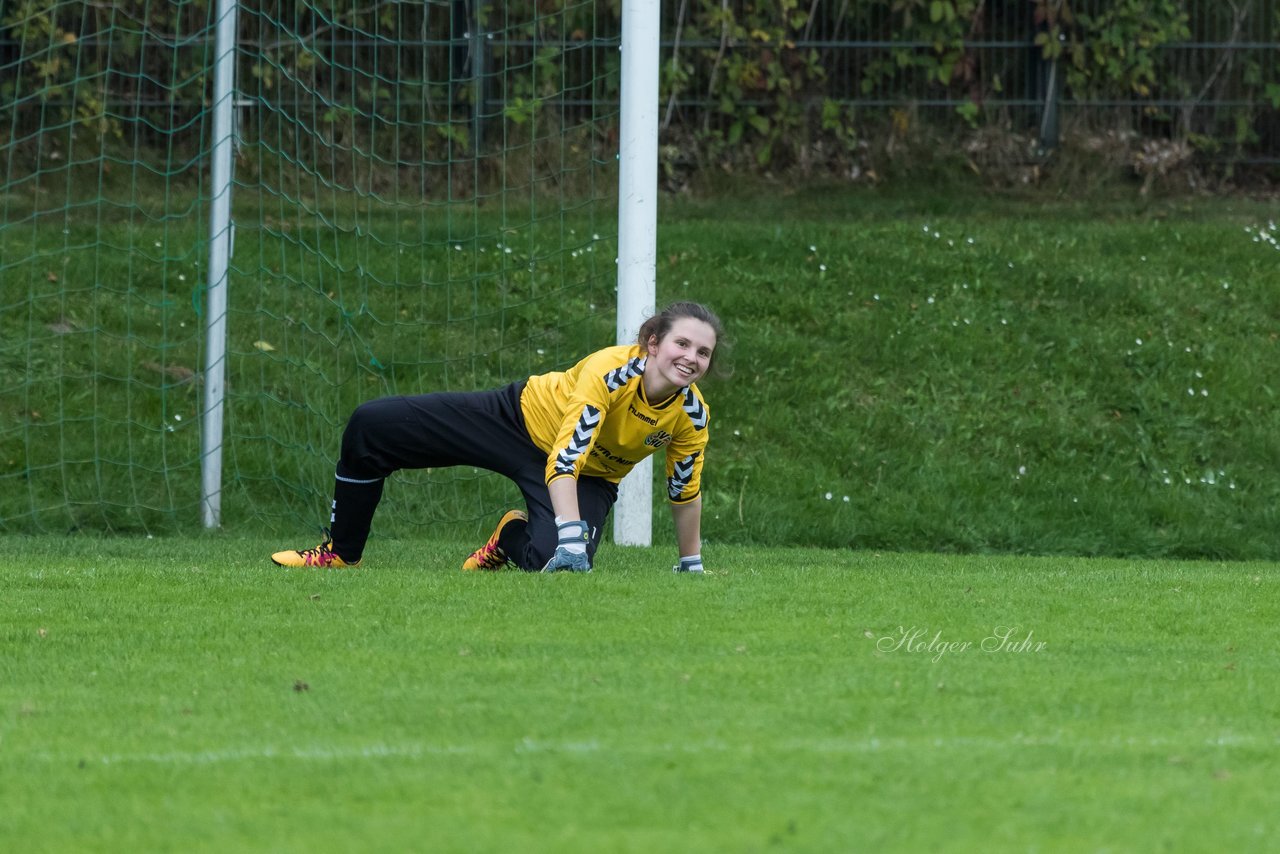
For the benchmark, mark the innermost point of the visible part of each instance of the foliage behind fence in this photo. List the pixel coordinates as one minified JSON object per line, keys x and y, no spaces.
{"x":826,"y":85}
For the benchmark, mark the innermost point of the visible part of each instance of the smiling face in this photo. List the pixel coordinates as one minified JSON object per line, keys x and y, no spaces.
{"x":679,"y":359}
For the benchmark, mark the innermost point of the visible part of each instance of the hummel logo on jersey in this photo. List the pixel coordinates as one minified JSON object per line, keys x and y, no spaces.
{"x":580,"y":441}
{"x":680,"y":476}
{"x":693,"y":406}
{"x":619,"y":377}
{"x":652,"y":422}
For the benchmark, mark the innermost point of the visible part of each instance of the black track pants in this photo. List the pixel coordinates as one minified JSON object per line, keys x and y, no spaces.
{"x":484,"y":429}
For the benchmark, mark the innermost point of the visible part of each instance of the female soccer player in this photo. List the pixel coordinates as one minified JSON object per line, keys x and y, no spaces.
{"x":565,"y":439}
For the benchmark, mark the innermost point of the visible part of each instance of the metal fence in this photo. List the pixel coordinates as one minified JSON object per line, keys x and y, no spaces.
{"x":1217,"y":79}
{"x":1202,"y":71}
{"x":1214,"y":77}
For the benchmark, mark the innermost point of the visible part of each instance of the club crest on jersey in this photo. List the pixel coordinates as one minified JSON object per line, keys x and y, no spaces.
{"x":657,"y":439}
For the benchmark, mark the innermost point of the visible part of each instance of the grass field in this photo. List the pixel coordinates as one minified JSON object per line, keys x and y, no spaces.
{"x":921,"y":369}
{"x":181,"y":694}
{"x":917,"y":374}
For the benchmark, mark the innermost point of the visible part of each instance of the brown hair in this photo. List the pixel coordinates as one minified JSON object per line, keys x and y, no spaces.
{"x":660,"y":324}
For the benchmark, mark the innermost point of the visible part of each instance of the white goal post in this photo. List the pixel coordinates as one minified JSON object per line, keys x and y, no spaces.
{"x":220,"y":249}
{"x":637,"y":229}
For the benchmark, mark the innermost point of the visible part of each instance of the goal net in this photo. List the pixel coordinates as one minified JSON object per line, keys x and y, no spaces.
{"x":422,"y":199}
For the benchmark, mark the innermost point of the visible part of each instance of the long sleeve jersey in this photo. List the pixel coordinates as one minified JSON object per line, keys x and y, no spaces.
{"x":594,"y":419}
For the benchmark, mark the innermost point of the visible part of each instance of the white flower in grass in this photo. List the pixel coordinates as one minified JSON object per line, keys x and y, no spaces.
{"x":1138,"y":341}
{"x":813,"y":248}
{"x":845,"y":499}
{"x":828,"y":496}
{"x":822,"y":268}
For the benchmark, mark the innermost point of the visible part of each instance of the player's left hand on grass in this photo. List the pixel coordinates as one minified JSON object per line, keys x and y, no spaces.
{"x":692,"y":563}
{"x":571,"y":550}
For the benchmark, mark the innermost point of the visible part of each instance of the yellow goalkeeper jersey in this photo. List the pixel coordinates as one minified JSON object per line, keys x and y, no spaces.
{"x":593,"y":419}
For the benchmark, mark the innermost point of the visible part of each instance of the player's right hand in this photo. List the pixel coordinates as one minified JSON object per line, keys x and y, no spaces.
{"x":571,"y":549}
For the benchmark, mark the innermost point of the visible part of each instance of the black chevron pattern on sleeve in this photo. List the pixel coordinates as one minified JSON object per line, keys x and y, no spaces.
{"x":580,"y":441}
{"x":620,"y":376}
{"x":680,"y":476}
{"x":697,"y":412}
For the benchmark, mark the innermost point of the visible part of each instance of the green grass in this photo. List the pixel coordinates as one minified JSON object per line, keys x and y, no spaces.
{"x":992,"y":373}
{"x":963,"y":368}
{"x":161,"y":694}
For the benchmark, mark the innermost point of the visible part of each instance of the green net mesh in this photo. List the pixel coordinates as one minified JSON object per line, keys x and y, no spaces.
{"x":422,"y":201}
